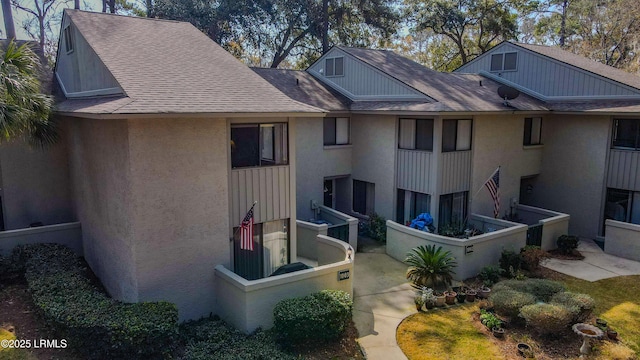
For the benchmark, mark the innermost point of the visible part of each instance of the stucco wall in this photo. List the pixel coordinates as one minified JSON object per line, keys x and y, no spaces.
{"x":68,"y":234}
{"x":573,"y":170}
{"x":34,"y":184}
{"x":100,"y":174}
{"x":374,"y":144}
{"x":314,"y":162}
{"x":485,"y":249}
{"x":554,"y":224}
{"x":622,"y":239}
{"x":497,"y":141}
{"x":179,"y":209}
{"x":248,"y":305}
{"x":306,"y":239}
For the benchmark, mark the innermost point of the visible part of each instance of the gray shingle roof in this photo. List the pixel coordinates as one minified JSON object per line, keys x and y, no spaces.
{"x":584,"y":63}
{"x":453,"y":92}
{"x":303,"y":87}
{"x":171,"y":67}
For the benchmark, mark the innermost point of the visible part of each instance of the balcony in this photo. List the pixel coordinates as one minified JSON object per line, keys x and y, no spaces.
{"x":471,"y":254}
{"x":544,"y":226}
{"x":337,"y":225}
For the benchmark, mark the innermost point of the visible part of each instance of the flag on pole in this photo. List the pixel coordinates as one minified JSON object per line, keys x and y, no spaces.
{"x":246,"y":231}
{"x":493,"y":185}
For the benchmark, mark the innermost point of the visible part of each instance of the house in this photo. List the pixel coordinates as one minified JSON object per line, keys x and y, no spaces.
{"x":168,"y":141}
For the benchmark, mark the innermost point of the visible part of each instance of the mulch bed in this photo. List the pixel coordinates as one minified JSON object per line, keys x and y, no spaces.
{"x":18,"y":310}
{"x":557,"y":254}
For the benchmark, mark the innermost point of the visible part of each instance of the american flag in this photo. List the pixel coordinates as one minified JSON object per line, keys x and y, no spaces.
{"x":246,"y":231}
{"x":493,"y":185}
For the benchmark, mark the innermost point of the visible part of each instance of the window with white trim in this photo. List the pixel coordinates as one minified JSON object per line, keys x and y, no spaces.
{"x":334,"y":66}
{"x":456,"y":135}
{"x":532,"y":131}
{"x":259,"y":145}
{"x":336,"y":131}
{"x":504,"y":61}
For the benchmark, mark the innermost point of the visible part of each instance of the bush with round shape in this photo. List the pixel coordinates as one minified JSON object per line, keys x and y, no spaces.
{"x":581,"y":305}
{"x":547,"y":319}
{"x":567,"y":243}
{"x":541,"y":289}
{"x":508,"y":302}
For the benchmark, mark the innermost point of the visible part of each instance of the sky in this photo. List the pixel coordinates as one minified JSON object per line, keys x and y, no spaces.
{"x":19,"y":16}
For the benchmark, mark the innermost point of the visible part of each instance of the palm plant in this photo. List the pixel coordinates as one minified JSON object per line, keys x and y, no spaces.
{"x":24,"y":110}
{"x":430,"y":266}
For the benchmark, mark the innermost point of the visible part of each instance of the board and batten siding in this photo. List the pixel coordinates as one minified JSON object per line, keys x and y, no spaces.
{"x":81,"y":70}
{"x":269,"y":186}
{"x":560,"y":79}
{"x":456,"y":172}
{"x":361,"y":80}
{"x":414,"y":171}
{"x":624,"y":170}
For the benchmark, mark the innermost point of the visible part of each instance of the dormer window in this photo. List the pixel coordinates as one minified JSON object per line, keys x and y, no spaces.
{"x":504,"y":61}
{"x":68,"y":39}
{"x":334,"y":66}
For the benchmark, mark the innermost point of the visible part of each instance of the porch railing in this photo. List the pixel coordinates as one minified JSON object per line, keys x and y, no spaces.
{"x":340,"y":232}
{"x":534,"y":235}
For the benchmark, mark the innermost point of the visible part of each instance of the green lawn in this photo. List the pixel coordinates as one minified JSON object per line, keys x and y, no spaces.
{"x":449,"y":333}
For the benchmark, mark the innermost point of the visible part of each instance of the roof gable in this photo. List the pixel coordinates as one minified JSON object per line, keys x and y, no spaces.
{"x":378,"y":85}
{"x":171,"y":67}
{"x":552,"y":74}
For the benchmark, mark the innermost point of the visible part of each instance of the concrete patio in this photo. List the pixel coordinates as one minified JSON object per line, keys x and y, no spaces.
{"x":596,"y":264}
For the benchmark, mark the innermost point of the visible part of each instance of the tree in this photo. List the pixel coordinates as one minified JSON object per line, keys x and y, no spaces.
{"x":24,"y":110}
{"x":42,"y":15}
{"x":466,"y":28}
{"x":281,"y":29}
{"x":607,"y":31}
{"x":8,"y":19}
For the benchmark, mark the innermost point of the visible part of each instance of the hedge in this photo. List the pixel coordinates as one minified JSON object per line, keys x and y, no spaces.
{"x":324,"y":316}
{"x":547,"y":318}
{"x":541,"y":289}
{"x":61,"y":287}
{"x":508,"y":302}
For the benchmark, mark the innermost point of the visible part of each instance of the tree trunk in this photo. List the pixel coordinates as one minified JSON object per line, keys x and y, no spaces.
{"x":76,"y":4}
{"x":325,"y":26}
{"x":8,"y":19}
{"x":149,"y":8}
{"x":43,"y":38}
{"x":104,"y":6}
{"x":112,"y":6}
{"x":563,"y":23}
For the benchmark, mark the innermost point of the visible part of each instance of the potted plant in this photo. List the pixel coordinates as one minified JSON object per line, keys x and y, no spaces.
{"x":612,"y":334}
{"x":419,"y":301}
{"x":462,"y":294}
{"x":440,"y":298}
{"x":427,"y":297}
{"x":450,"y":297}
{"x":498,"y":332}
{"x":525,"y":350}
{"x":484,"y":291}
{"x":471,"y":295}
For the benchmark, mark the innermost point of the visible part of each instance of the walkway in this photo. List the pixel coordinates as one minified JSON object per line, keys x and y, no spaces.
{"x":382,"y":298}
{"x":595,"y":266}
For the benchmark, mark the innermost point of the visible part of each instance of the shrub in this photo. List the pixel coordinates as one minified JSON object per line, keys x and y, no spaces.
{"x":324,"y":315}
{"x":489,"y":319}
{"x":430,"y":266}
{"x":567,"y":243}
{"x":490,"y":275}
{"x":531,"y":256}
{"x":581,"y":305}
{"x":508,"y":302}
{"x":541,"y":289}
{"x":61,"y":288}
{"x":547,"y":318}
{"x":376,"y":228}
{"x":510,"y":262}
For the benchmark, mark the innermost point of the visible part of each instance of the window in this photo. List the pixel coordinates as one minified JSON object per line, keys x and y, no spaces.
{"x":363,"y":197}
{"x":334,"y":66}
{"x":68,"y":39}
{"x":453,"y":209}
{"x":336,"y":131}
{"x":416,"y":134}
{"x":259,"y":145}
{"x":270,"y":250}
{"x":532,"y":131}
{"x":411,"y":204}
{"x":623,"y":205}
{"x":504,"y":61}
{"x":626,"y":133}
{"x":456,"y":135}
